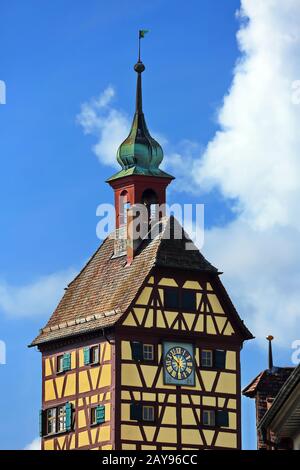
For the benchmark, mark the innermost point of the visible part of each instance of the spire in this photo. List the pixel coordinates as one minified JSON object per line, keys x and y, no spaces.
{"x":139,"y":68}
{"x":270,"y":339}
{"x":140,"y":153}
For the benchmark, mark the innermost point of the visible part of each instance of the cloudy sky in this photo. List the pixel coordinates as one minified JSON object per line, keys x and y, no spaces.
{"x":221,"y":93}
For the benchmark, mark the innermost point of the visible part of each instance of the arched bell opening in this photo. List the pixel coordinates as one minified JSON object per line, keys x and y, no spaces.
{"x":150,"y":200}
{"x":124,"y":206}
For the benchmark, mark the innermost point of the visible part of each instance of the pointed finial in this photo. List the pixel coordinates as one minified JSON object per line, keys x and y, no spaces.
{"x":142,"y":33}
{"x":139,"y":68}
{"x":270,"y":339}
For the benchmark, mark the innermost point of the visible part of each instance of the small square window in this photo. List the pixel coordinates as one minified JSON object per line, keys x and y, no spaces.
{"x":148,"y":352}
{"x":206,"y":358}
{"x":209,"y":418}
{"x":188,"y":300}
{"x":94,"y":354}
{"x":94,"y":415}
{"x":60,"y":363}
{"x":171,"y":298}
{"x":148,"y":413}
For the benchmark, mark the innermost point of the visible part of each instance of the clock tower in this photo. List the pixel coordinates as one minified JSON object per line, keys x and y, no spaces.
{"x":143,"y":350}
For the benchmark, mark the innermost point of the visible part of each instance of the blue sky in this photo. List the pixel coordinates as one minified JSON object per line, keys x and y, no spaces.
{"x":60,"y":55}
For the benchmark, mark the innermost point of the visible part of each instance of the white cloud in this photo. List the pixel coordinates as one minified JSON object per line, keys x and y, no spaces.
{"x":109,"y":125}
{"x":37,"y":298}
{"x":34,"y":445}
{"x":255,"y":158}
{"x":255,"y":155}
{"x":262,"y":274}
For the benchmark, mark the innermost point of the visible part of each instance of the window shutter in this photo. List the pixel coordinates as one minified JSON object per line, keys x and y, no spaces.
{"x":220,"y":359}
{"x":67,"y":361}
{"x":222,"y":418}
{"x":171,"y":298}
{"x":100,"y":414}
{"x":68,"y":408}
{"x":86,"y":356}
{"x":188,"y":300}
{"x":42,"y":423}
{"x":136,"y":411}
{"x":137,"y":351}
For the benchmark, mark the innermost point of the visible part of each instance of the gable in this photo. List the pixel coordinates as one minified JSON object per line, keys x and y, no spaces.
{"x":213,"y":314}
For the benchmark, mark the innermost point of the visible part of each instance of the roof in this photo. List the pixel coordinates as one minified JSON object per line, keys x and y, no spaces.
{"x":265,"y":378}
{"x":136,"y":170}
{"x":251,"y":389}
{"x":281,"y":398}
{"x":105,"y":288}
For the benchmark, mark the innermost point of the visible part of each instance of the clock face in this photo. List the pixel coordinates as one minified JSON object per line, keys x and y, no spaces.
{"x":179,"y":364}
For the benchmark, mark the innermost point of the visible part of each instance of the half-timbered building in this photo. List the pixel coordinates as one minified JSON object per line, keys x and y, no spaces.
{"x":143,"y":350}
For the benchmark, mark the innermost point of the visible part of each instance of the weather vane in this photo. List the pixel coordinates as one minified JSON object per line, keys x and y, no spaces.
{"x":142,"y":33}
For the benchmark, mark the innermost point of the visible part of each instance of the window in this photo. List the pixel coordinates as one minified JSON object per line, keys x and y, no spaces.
{"x":209,"y":418}
{"x":93,"y":415}
{"x":97,"y":415}
{"x":56,"y":420}
{"x":51,"y":421}
{"x":213,"y":418}
{"x":142,"y":352}
{"x":206,"y":358}
{"x":141,"y":412}
{"x":91,"y":355}
{"x":61,"y":418}
{"x":188,"y":300}
{"x":63,"y":363}
{"x":148,"y":413}
{"x":171,"y":298}
{"x":216,"y":359}
{"x":59,"y":363}
{"x":148,"y":352}
{"x":94,"y":355}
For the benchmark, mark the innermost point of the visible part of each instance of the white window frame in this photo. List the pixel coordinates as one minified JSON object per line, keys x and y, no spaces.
{"x":61,"y":418}
{"x":211,"y":418}
{"x":205,"y":363}
{"x":60,"y":363}
{"x":148,"y":413}
{"x":94,"y":349}
{"x":51,"y":420}
{"x":93,"y":415}
{"x":148,"y":352}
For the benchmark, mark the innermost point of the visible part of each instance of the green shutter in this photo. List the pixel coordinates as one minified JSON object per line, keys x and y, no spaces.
{"x":188,"y":300}
{"x":171,"y":296}
{"x":68,"y":407}
{"x":220,"y":359}
{"x":67,"y":362}
{"x":42,"y":423}
{"x":137,"y":351}
{"x":86,"y":356}
{"x":222,"y":418}
{"x":100,"y":414}
{"x":136,"y":411}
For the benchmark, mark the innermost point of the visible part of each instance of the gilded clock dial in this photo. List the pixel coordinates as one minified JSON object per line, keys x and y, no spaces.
{"x":179,"y":363}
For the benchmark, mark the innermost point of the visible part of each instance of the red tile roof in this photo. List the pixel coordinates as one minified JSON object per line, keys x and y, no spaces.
{"x":105,"y":288}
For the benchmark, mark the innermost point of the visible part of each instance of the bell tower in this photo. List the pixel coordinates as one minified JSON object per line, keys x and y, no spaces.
{"x":140,"y":180}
